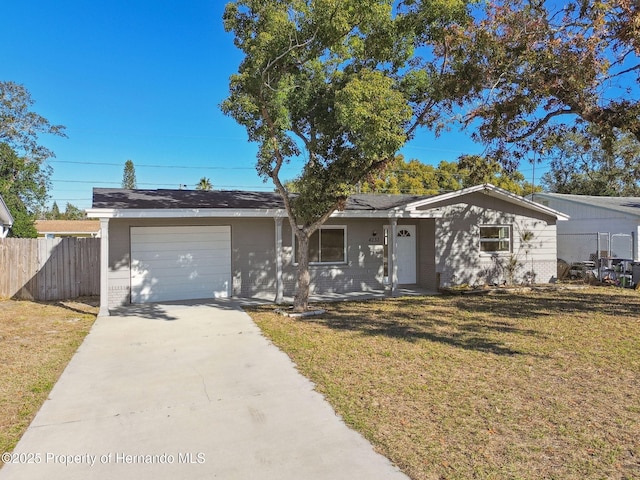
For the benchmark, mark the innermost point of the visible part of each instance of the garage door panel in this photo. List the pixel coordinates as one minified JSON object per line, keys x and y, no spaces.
{"x":180,"y":263}
{"x":175,"y":259}
{"x":182,"y":273}
{"x":177,"y":254}
{"x":169,"y":241}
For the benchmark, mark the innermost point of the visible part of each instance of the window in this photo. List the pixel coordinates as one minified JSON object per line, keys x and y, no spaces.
{"x":327,"y":245}
{"x":495,"y":238}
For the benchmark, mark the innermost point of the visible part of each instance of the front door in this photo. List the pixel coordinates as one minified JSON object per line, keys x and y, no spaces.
{"x":406,"y":254}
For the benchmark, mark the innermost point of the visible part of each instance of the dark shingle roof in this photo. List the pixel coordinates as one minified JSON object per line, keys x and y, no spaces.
{"x":118,"y":198}
{"x":151,"y":199}
{"x":379,"y":201}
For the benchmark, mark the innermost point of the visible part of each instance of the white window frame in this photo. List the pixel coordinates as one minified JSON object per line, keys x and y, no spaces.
{"x":294,"y":242}
{"x":482,"y":239}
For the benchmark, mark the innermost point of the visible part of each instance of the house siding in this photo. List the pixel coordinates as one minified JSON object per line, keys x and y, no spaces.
{"x":458,"y":259}
{"x":577,"y":237}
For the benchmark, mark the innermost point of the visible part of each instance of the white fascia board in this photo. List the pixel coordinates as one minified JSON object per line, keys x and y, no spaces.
{"x":387,"y":214}
{"x":248,"y":213}
{"x":5,"y":215}
{"x":492,"y":191}
{"x":185,"y":213}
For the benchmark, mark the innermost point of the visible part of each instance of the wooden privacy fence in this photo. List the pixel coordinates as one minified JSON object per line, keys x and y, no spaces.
{"x":49,"y":269}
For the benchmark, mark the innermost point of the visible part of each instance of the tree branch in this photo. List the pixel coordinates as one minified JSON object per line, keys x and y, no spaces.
{"x":539,"y":124}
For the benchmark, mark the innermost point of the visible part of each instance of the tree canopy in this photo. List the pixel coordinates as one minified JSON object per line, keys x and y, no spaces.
{"x":23,"y":186}
{"x":71,"y":212}
{"x":580,"y":166}
{"x":537,"y":71}
{"x":24,"y":178}
{"x":20,"y":127}
{"x":416,"y":178}
{"x":129,"y":176}
{"x":339,"y":85}
{"x":204,"y":184}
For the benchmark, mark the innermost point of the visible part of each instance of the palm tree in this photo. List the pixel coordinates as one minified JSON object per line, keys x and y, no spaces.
{"x":204,"y":184}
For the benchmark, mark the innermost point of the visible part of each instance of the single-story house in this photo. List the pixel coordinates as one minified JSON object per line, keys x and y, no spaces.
{"x":163,"y":245}
{"x":6,"y":220}
{"x":599,"y":227}
{"x":68,"y":228}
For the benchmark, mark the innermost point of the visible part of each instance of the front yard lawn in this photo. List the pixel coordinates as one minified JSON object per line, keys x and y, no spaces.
{"x":522,"y":386}
{"x":37,"y":340}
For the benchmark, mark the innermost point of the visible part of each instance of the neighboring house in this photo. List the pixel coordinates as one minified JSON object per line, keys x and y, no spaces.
{"x":6,"y":220}
{"x":599,"y":227}
{"x":68,"y":228}
{"x":160,"y":245}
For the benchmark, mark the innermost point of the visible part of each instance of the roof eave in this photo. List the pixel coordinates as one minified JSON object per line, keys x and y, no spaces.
{"x":495,"y":192}
{"x":581,"y":202}
{"x":184,"y":213}
{"x":105,"y":213}
{"x":5,"y":215}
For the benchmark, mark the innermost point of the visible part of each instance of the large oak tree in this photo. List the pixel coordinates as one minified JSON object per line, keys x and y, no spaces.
{"x":536,"y":71}
{"x":340,"y":85}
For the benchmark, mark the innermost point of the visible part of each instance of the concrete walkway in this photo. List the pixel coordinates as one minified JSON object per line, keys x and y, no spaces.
{"x":189,"y":392}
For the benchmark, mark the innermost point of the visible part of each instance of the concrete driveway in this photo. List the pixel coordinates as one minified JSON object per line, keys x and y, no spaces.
{"x":193,"y":392}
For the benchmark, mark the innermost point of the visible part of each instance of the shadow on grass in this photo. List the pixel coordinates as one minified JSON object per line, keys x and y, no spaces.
{"x":488,"y":324}
{"x":468,"y":334}
{"x":88,"y":311}
{"x":528,"y":306}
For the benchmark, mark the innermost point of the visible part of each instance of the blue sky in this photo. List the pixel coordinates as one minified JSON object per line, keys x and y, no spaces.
{"x":142,"y":80}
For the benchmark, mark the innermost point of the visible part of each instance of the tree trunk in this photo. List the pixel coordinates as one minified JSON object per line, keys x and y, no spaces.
{"x":301,"y":300}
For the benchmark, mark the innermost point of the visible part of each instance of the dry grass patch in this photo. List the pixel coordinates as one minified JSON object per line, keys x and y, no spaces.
{"x":528,"y":386}
{"x":37,"y":340}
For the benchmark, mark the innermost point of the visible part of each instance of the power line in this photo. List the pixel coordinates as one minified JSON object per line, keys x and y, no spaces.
{"x":151,"y":166}
{"x":91,"y":182}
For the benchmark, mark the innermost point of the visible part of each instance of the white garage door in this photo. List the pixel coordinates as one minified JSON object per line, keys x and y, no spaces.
{"x":180,"y":263}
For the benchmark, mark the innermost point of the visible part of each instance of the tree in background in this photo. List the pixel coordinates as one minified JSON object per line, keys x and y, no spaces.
{"x":341,"y":85}
{"x":71,"y":212}
{"x":24,"y":179}
{"x":417,"y":178}
{"x":54,"y":213}
{"x":579,"y":165}
{"x":23,"y":186}
{"x":129,"y":176}
{"x":476,"y":170}
{"x":204,"y":184}
{"x":403,"y":177}
{"x":20,"y":127}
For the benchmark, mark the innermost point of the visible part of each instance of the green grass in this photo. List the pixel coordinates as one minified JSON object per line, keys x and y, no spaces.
{"x":527,"y":386}
{"x":37,"y":340}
